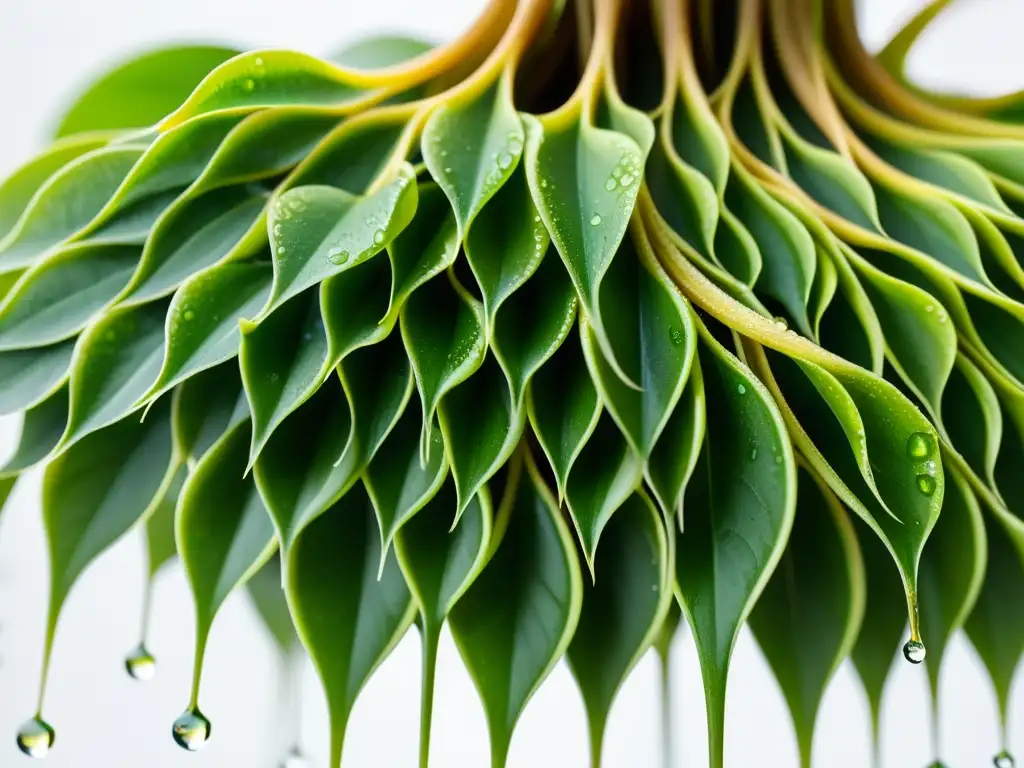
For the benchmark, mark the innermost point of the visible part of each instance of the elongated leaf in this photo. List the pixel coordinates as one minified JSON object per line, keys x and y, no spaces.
{"x":161,"y":547}
{"x":41,"y":430}
{"x":54,"y":301}
{"x":349,"y":619}
{"x":117,"y":359}
{"x":31,"y":375}
{"x":318,"y":231}
{"x":584,"y":181}
{"x":472,"y":144}
{"x":622,"y":611}
{"x":202,"y":321}
{"x":267,"y":594}
{"x":440,"y":565}
{"x":205,"y":407}
{"x":739,"y":510}
{"x":516,"y":620}
{"x":674,"y":457}
{"x":224,"y":534}
{"x":424,"y":248}
{"x":141,"y":91}
{"x":94,"y":493}
{"x":808,"y":617}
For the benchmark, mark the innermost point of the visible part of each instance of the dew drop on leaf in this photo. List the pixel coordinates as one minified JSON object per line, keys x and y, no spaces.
{"x":595,"y":220}
{"x":188,"y":314}
{"x":140,"y":664}
{"x":914,"y":651}
{"x":248,"y":84}
{"x":191,"y":731}
{"x":611,"y":184}
{"x":337,"y":255}
{"x":920,"y":445}
{"x":36,"y":737}
{"x":926,"y":484}
{"x":741,"y":389}
{"x":676,"y":335}
{"x":378,"y":237}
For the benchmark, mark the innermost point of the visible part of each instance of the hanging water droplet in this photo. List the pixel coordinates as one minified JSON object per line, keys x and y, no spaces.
{"x":741,"y":389}
{"x":914,"y":651}
{"x":337,"y":255}
{"x":926,"y":484}
{"x":140,"y":664}
{"x":1003,"y":760}
{"x":295,"y":759}
{"x":595,"y":220}
{"x":36,"y":737}
{"x":191,"y":731}
{"x":920,"y":445}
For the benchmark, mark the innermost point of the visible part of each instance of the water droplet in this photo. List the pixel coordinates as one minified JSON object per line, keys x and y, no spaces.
{"x":778,"y":459}
{"x":337,"y":255}
{"x":741,"y":389}
{"x":378,"y":237}
{"x":595,"y":220}
{"x":920,"y":445}
{"x":504,"y":161}
{"x":753,"y":453}
{"x":36,"y":737}
{"x":929,"y":308}
{"x":914,"y":651}
{"x":188,"y":314}
{"x":191,"y":731}
{"x":1003,"y":760}
{"x":248,"y":85}
{"x":617,"y":173}
{"x":140,"y":664}
{"x":258,"y":62}
{"x":448,"y":169}
{"x":543,"y":184}
{"x":611,"y":184}
{"x":780,"y":322}
{"x":275,"y":376}
{"x":926,"y":484}
{"x":676,"y":335}
{"x":295,"y":759}
{"x":626,"y":180}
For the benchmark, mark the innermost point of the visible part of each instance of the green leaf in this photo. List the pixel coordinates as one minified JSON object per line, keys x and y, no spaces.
{"x":507,"y":245}
{"x":117,"y":359}
{"x":785,"y":245}
{"x":206,"y":406}
{"x":952,"y":571}
{"x":298,"y":473}
{"x":272,"y":79}
{"x":972,"y":417}
{"x":584,"y":181}
{"x":739,"y":510}
{"x":66,"y":203}
{"x":649,"y":326}
{"x":472,"y":144}
{"x":347,"y":614}
{"x":533,"y":324}
{"x":141,"y":91}
{"x":54,"y":300}
{"x":996,"y":625}
{"x":160,"y":544}
{"x":94,"y":493}
{"x":518,"y":617}
{"x":224,"y":533}
{"x":623,"y":610}
{"x":31,"y":375}
{"x":425,"y":248}
{"x":191,"y":237}
{"x":443,"y":330}
{"x":564,"y":408}
{"x":18,"y":190}
{"x":439,"y":566}
{"x":267,"y":594}
{"x":398,"y":484}
{"x":481,"y":425}
{"x":41,"y":430}
{"x":808,"y":617}
{"x":674,"y":457}
{"x":318,"y":231}
{"x":884,"y":624}
{"x":202,"y":321}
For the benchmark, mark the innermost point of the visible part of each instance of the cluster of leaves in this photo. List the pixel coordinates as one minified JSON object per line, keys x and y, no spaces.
{"x":600,"y":315}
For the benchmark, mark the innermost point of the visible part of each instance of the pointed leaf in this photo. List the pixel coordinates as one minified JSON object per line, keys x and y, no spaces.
{"x":31,"y":375}
{"x":205,"y":407}
{"x":267,"y":595}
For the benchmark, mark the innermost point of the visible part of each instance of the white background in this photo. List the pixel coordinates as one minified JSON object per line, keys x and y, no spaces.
{"x":50,"y":47}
